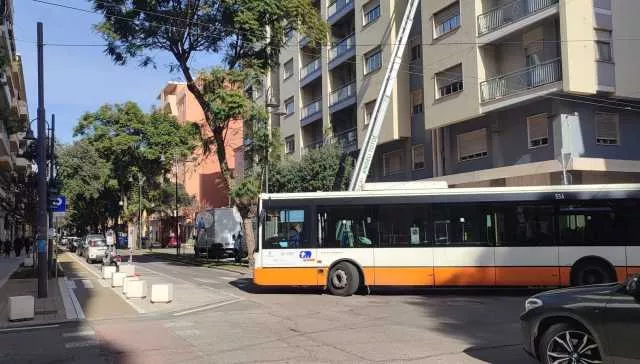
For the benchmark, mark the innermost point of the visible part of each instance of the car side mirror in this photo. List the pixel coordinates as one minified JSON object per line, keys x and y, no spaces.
{"x":632,"y":286}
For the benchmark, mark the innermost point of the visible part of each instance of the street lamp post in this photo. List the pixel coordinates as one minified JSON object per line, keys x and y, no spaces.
{"x":174,"y":163}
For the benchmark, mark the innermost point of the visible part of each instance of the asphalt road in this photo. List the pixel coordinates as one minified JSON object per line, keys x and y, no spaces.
{"x":292,"y":326}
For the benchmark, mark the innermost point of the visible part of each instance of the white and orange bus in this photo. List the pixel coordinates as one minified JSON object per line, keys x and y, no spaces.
{"x":443,"y":237}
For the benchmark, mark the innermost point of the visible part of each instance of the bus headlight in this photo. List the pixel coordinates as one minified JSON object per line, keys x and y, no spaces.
{"x":532,"y":303}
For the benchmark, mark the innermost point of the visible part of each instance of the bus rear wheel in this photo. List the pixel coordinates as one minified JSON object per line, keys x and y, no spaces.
{"x":344,"y":279}
{"x":591,"y":272}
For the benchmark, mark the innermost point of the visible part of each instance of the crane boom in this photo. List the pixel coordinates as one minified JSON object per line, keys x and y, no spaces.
{"x":365,"y":156}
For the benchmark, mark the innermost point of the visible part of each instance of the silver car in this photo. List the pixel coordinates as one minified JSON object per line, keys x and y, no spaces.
{"x":94,"y":248}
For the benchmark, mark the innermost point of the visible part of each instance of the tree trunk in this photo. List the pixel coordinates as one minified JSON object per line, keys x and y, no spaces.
{"x":250,"y":237}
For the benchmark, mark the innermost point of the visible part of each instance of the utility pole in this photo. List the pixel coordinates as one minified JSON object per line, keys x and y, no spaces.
{"x":51,"y":181}
{"x":41,"y":236}
{"x":176,"y":213}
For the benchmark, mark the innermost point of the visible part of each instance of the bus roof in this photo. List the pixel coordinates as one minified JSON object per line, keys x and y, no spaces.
{"x":396,"y":195}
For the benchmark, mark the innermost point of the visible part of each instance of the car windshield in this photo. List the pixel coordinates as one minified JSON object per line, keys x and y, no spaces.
{"x":97,"y":243}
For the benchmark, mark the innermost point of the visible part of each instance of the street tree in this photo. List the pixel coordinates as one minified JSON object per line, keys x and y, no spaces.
{"x":248,"y":33}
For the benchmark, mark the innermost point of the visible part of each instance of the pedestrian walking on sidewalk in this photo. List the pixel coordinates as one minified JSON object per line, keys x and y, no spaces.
{"x":27,"y":246}
{"x":17,"y":246}
{"x":7,"y":248}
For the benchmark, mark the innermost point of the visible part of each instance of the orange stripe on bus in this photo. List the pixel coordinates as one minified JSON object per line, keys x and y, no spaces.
{"x":464,"y":276}
{"x":527,"y":276}
{"x":633,"y":270}
{"x":404,"y":276}
{"x":285,"y":276}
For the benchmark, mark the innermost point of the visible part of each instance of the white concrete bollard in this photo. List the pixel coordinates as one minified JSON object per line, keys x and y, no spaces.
{"x":108,"y":271}
{"x":129,"y":269}
{"x":126,"y":281}
{"x":21,"y":308}
{"x":161,"y":292}
{"x":137,"y":289}
{"x":117,"y":279}
{"x":28,"y":262}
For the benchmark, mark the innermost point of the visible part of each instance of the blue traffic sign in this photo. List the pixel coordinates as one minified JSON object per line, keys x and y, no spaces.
{"x":59,"y":204}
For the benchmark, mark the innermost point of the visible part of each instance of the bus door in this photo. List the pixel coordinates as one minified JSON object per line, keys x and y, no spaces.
{"x":463,"y":252}
{"x":288,"y":252}
{"x":346,"y":233}
{"x":526,"y":254}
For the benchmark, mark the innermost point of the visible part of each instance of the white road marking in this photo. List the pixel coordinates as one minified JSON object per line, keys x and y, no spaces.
{"x":80,"y":333}
{"x":71,"y":284}
{"x":229,"y":278}
{"x":87,"y":284}
{"x":205,"y":280}
{"x":215,"y":305}
{"x":28,"y":328}
{"x":192,"y":332}
{"x":81,"y":344}
{"x":178,"y":324}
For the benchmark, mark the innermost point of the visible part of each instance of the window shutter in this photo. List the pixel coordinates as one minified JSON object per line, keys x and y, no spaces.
{"x":447,"y":13}
{"x":472,"y":144}
{"x":538,"y":127}
{"x":607,"y":128}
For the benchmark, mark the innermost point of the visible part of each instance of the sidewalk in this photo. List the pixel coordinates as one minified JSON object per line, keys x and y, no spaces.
{"x":48,"y":310}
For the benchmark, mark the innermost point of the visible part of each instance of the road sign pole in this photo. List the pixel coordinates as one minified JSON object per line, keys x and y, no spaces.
{"x":51,"y":179}
{"x":41,"y":242}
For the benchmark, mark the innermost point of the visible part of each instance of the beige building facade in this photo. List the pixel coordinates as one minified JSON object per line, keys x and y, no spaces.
{"x":490,"y":92}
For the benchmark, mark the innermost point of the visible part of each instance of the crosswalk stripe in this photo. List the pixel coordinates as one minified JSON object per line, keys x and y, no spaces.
{"x":79,"y":333}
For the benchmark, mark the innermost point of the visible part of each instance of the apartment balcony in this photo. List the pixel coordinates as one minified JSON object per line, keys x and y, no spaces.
{"x":304,"y":40}
{"x":337,"y":9}
{"x":348,"y":139}
{"x":316,"y":144}
{"x":514,"y":16}
{"x":342,"y":51}
{"x":311,"y":112}
{"x":343,"y":97}
{"x":522,"y":84}
{"x":310,"y":72}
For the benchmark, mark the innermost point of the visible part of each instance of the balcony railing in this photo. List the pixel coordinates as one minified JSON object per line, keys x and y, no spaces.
{"x":310,"y":109}
{"x":336,"y":6}
{"x":314,"y":145}
{"x":342,"y":93}
{"x":342,"y":47}
{"x":347,"y":138}
{"x":510,"y":13}
{"x":524,"y":79}
{"x":309,"y":68}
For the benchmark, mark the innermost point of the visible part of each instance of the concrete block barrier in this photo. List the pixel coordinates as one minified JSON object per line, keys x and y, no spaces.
{"x":162,"y":292}
{"x":108,"y":271}
{"x":137,"y":289}
{"x":21,"y":308}
{"x":117,"y":279}
{"x":125,"y":283}
{"x":129,"y":269}
{"x":28,"y":262}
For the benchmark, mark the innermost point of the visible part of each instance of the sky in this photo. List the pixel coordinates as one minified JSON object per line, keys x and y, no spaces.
{"x":81,"y":79}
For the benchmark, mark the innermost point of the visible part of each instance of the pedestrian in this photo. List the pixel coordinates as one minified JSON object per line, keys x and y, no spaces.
{"x":17,"y":246}
{"x":27,"y":246}
{"x":7,"y":248}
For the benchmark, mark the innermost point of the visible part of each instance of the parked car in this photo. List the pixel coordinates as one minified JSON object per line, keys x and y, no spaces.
{"x":588,"y":324}
{"x":94,"y":247}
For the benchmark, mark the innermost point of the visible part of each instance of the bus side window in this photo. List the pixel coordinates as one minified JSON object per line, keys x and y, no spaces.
{"x":285,"y":229}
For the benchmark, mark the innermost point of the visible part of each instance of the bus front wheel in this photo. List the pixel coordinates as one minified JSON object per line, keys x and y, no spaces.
{"x":344,"y":279}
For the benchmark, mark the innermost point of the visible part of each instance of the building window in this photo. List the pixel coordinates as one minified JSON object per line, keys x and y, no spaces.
{"x":417,"y":102}
{"x":368,"y":111}
{"x":607,"y":132}
{"x":472,"y":145}
{"x":289,"y":144}
{"x":417,"y":155}
{"x":288,"y":106}
{"x":538,"y":130}
{"x":603,"y":51}
{"x":392,"y":162}
{"x":372,"y":61}
{"x":371,"y":12}
{"x":416,"y":48}
{"x":258,"y":90}
{"x":288,"y":68}
{"x":449,"y":81}
{"x":446,"y":20}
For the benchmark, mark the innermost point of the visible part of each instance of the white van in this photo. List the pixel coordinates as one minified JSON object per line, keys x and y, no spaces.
{"x":95,"y":247}
{"x":219,"y":234}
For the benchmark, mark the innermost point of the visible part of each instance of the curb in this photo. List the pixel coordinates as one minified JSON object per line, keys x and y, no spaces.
{"x":35,"y":325}
{"x":196,"y":264}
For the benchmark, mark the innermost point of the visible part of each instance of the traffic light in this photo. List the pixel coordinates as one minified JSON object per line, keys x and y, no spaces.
{"x":52,"y":194}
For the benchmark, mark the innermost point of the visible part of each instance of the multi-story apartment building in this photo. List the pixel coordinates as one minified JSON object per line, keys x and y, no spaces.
{"x":13,"y":122}
{"x":200,"y":174}
{"x":490,"y":93}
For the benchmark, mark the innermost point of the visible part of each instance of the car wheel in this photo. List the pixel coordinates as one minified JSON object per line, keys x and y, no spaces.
{"x":569,"y":343}
{"x":344,"y":279}
{"x":589,"y":272}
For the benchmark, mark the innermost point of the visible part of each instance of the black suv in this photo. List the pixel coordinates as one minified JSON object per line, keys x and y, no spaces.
{"x":584,"y":325}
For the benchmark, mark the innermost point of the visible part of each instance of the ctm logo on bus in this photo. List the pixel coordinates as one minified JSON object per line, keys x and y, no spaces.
{"x":305,"y":255}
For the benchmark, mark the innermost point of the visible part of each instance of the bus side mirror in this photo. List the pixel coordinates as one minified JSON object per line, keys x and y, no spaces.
{"x":632,"y":286}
